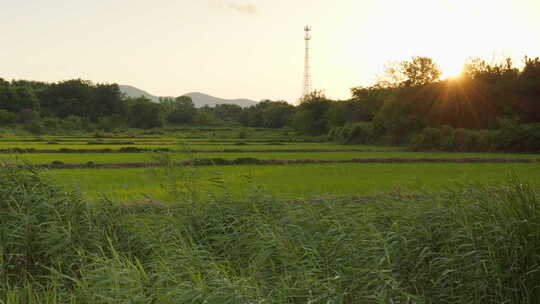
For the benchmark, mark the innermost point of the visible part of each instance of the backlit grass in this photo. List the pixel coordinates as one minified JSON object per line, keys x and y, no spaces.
{"x":467,"y":244}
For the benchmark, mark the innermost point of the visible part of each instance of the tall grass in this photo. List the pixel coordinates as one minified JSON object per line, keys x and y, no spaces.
{"x":467,"y":245}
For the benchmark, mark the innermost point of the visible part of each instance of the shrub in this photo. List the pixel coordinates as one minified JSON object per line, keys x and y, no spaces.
{"x":72,"y":122}
{"x":518,"y":138}
{"x":51,"y":122}
{"x":7,"y":118}
{"x":358,"y":133}
{"x":35,"y":127}
{"x":447,"y":141}
{"x":428,"y":139}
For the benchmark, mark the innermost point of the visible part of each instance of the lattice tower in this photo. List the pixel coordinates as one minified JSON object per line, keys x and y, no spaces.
{"x":307,"y":63}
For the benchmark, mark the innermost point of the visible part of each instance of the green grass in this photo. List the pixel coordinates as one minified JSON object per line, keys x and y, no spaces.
{"x":205,"y":146}
{"x":290,"y":181}
{"x":469,"y":244}
{"x":44,"y":158}
{"x":146,"y":139}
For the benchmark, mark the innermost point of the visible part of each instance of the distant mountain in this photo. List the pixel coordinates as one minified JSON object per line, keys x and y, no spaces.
{"x":199,"y":99}
{"x":134,"y":92}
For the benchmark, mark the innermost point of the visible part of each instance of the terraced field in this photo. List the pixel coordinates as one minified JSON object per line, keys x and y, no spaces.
{"x":331,"y":168}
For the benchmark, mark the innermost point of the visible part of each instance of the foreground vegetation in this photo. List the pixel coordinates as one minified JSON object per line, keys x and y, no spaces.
{"x":471,"y":244}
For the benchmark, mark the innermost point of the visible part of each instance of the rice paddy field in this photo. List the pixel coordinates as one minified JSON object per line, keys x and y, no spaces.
{"x":294,"y":181}
{"x":284,"y":181}
{"x":266,"y":219}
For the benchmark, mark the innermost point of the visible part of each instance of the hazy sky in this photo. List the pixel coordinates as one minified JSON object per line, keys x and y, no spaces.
{"x":253,"y":48}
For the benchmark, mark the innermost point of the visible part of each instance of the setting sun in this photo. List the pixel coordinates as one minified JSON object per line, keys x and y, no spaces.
{"x":449,"y":32}
{"x":451,"y":69}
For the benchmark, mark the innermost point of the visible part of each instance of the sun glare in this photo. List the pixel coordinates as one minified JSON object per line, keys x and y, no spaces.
{"x":451,"y":73}
{"x":451,"y":67}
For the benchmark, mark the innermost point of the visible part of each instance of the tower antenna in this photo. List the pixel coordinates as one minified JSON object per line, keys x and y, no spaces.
{"x":307,"y":63}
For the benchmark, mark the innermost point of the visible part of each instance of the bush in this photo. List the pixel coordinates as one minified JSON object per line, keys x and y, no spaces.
{"x":447,"y":141}
{"x":513,"y":137}
{"x":459,"y":140}
{"x":428,"y":139}
{"x":351,"y":134}
{"x":35,"y":127}
{"x":72,"y":122}
{"x":203,"y":118}
{"x":106,"y":124}
{"x":52,"y":123}
{"x":7,"y":118}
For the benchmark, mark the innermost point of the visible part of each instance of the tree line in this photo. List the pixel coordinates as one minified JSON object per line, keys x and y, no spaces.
{"x":406,"y":101}
{"x":82,"y":105}
{"x":488,"y":107}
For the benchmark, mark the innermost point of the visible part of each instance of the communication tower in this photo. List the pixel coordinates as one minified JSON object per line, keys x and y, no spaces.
{"x":307,"y":64}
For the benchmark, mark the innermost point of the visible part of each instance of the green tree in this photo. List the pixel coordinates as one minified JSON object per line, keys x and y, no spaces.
{"x":7,"y":118}
{"x":419,"y":71}
{"x":310,"y":117}
{"x":144,"y":114}
{"x":227,"y":112}
{"x":277,"y":114}
{"x":181,"y":110}
{"x":106,"y":100}
{"x":203,"y":117}
{"x":72,"y":122}
{"x":71,"y":97}
{"x":268,"y":114}
{"x":17,"y":98}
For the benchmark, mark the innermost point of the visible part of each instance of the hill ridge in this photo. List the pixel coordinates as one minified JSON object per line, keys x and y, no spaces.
{"x":199,"y":99}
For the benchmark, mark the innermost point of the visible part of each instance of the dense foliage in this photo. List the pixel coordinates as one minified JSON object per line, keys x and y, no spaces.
{"x":404,"y":107}
{"x":468,"y":113}
{"x":469,"y":245}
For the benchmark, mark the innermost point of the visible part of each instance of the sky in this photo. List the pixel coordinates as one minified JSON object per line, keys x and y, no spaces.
{"x":254,"y":48}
